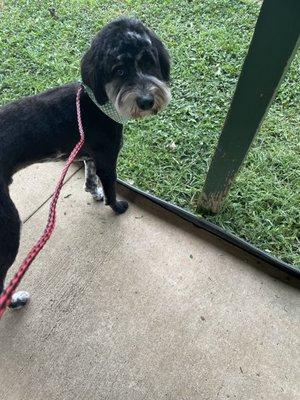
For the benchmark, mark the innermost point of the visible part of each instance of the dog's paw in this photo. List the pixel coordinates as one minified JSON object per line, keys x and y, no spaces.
{"x":98,"y":194}
{"x":19,"y":299}
{"x":120,"y":207}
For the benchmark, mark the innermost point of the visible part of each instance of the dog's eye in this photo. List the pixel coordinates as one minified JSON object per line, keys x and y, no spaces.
{"x":120,"y":72}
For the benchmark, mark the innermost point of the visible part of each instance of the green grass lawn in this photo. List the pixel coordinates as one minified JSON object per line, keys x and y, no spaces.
{"x":169,"y":155}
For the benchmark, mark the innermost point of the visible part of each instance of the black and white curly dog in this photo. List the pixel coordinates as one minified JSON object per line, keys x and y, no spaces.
{"x":128,"y":67}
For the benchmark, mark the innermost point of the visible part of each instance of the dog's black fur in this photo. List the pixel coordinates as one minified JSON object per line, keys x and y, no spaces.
{"x":44,"y":127}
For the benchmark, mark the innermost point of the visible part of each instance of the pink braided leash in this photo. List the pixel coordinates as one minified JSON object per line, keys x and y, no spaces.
{"x":5,"y":297}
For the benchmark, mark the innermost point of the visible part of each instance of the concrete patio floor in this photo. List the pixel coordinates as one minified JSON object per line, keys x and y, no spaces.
{"x":141,"y":306}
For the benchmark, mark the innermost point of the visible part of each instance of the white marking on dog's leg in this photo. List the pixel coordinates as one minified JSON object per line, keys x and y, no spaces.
{"x":92,"y":182}
{"x":98,"y":194}
{"x":19,"y":299}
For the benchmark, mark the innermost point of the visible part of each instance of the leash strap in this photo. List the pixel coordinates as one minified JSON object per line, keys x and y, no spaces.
{"x":5,"y":297}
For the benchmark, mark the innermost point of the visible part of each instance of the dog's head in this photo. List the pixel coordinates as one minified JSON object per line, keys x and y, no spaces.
{"x":128,"y":65}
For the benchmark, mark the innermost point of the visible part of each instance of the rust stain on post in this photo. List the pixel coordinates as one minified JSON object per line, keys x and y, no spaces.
{"x":213,"y":202}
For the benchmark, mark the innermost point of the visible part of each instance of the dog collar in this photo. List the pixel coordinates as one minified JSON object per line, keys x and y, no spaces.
{"x":107,"y":108}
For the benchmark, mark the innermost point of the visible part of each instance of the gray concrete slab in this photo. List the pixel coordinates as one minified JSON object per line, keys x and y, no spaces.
{"x":145,"y":306}
{"x":35,"y":185}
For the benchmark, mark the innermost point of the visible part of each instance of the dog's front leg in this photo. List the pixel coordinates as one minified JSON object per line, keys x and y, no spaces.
{"x":92,"y":183}
{"x":106,"y":170}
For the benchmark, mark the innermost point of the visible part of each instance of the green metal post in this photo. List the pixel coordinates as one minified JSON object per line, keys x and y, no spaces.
{"x":275,"y":41}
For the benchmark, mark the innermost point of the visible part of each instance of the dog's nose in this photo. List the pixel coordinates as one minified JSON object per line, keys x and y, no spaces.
{"x":145,"y":102}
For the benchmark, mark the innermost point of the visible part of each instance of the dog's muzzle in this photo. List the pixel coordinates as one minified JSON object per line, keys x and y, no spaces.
{"x":141,"y":100}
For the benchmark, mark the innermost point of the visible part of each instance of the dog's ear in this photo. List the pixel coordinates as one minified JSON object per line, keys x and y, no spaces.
{"x":164,"y":60}
{"x":163,"y":57}
{"x":92,"y":73}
